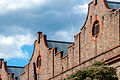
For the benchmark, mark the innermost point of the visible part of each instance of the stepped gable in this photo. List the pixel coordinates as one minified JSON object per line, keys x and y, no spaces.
{"x":11,"y":72}
{"x":16,"y":70}
{"x":99,"y":40}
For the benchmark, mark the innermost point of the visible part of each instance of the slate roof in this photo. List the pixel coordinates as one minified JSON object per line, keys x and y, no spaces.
{"x":113,"y":5}
{"x":16,"y":70}
{"x":62,"y":46}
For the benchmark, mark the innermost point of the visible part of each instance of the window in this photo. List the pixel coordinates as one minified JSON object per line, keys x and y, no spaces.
{"x":62,"y":69}
{"x":39,"y":62}
{"x":95,"y":29}
{"x":90,"y":20}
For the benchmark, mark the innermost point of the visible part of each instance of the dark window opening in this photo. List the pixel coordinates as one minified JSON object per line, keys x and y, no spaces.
{"x":62,"y":69}
{"x":61,"y":54}
{"x":102,"y":17}
{"x":95,"y":30}
{"x":90,"y":19}
{"x":39,"y":61}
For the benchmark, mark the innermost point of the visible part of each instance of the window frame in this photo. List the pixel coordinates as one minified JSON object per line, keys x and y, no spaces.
{"x":39,"y":62}
{"x":38,"y":68}
{"x":94,"y":39}
{"x":96,"y":26}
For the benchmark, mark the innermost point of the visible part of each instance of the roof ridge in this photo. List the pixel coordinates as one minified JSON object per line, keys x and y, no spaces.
{"x":16,"y":66}
{"x":113,"y":2}
{"x":60,"y":41}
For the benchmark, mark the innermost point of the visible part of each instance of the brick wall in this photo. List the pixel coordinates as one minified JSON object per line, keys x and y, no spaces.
{"x":4,"y":75}
{"x":84,"y":52}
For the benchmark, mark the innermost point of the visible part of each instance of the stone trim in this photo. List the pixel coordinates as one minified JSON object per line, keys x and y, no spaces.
{"x":70,"y":45}
{"x":77,"y":34}
{"x":60,"y":52}
{"x":22,"y":73}
{"x":97,"y":18}
{"x":85,"y":61}
{"x":113,"y":58}
{"x":39,"y":53}
{"x":45,"y":42}
{"x":33,"y":51}
{"x":4,"y":67}
{"x":87,"y":15}
{"x":106,"y":6}
{"x":64,"y":57}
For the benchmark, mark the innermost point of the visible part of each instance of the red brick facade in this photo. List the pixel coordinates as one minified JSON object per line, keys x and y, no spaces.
{"x":4,"y":75}
{"x":85,"y":51}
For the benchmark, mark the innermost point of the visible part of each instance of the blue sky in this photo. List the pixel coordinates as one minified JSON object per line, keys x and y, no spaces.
{"x":20,"y":20}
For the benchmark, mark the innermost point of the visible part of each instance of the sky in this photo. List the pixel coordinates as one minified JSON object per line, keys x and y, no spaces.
{"x":20,"y":20}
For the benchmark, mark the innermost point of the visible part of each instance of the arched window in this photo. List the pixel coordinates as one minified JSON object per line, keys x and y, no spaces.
{"x":39,"y":61}
{"x":95,"y":29}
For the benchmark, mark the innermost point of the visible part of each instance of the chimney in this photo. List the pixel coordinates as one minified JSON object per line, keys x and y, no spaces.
{"x":39,"y":35}
{"x":95,"y":2}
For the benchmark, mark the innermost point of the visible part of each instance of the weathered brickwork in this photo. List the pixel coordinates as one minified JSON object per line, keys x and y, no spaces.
{"x":83,"y":52}
{"x":4,"y":75}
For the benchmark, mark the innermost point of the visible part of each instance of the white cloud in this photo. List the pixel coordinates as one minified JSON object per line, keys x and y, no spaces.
{"x":66,"y":34}
{"x":83,"y":9}
{"x":10,"y":47}
{"x":114,"y":0}
{"x":8,"y":5}
{"x":79,"y":9}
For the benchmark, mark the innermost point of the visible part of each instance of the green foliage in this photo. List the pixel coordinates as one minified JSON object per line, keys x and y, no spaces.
{"x":97,"y":71}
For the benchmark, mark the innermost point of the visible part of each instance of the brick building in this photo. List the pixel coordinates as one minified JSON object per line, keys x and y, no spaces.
{"x":98,"y":40}
{"x":9,"y":72}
